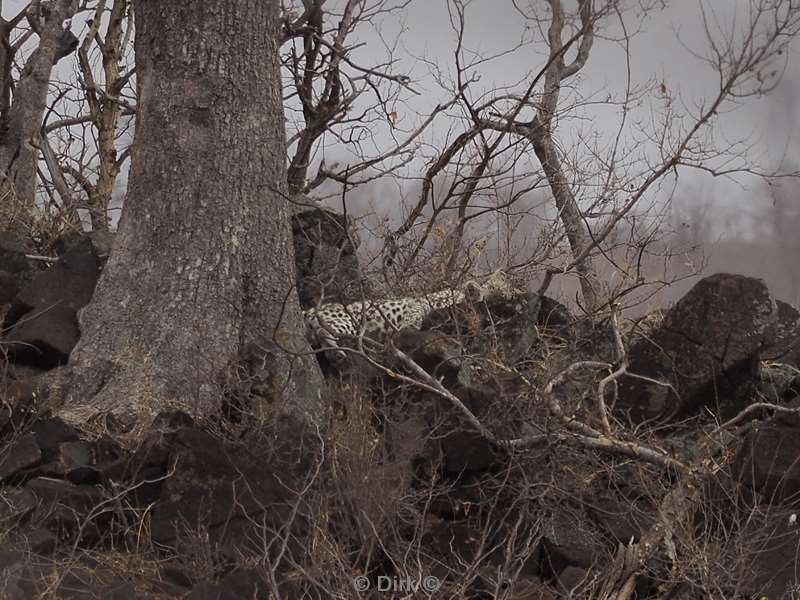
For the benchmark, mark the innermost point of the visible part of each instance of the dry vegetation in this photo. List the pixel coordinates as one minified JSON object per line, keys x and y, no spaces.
{"x":484,"y":457}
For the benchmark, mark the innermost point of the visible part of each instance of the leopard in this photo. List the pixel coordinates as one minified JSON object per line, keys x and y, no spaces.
{"x":329,"y":323}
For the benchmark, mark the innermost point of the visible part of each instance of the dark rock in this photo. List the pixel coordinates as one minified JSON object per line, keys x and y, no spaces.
{"x":40,"y":541}
{"x":122,"y":591}
{"x":462,"y":494}
{"x":12,"y":575}
{"x":12,"y":253}
{"x":83,"y":583}
{"x":569,"y":540}
{"x":25,"y":373}
{"x":64,"y":508}
{"x":438,"y":354}
{"x":531,"y":589}
{"x":458,"y":539}
{"x":73,"y":455}
{"x":177,"y":576}
{"x":785,"y":347}
{"x":42,"y":319}
{"x":16,"y":505}
{"x":707,"y":348}
{"x":50,"y":434}
{"x":471,"y":541}
{"x":768,"y":462}
{"x":20,"y":405}
{"x":325,"y":256}
{"x":571,"y":579}
{"x":69,"y":282}
{"x":239,"y":585}
{"x":83,"y":461}
{"x":101,"y":241}
{"x":44,"y":339}
{"x":774,"y":545}
{"x":169,"y":421}
{"x":465,"y":450}
{"x":9,"y":287}
{"x":23,"y":453}
{"x":778,"y":382}
{"x":165,"y":589}
{"x":622,"y":519}
{"x":215,"y":483}
{"x":789,"y":419}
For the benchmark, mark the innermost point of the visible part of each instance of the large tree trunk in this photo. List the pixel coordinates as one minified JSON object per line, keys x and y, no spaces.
{"x":202,"y":270}
{"x":20,"y":123}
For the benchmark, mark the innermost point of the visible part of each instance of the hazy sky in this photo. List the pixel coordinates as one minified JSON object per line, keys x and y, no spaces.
{"x":660,"y":51}
{"x":494,"y":26}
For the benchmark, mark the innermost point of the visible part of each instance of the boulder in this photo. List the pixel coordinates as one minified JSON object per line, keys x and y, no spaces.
{"x":15,"y":269}
{"x":512,"y":324}
{"x":84,"y":462}
{"x":203,"y":480}
{"x":42,"y":320}
{"x":439,"y":354}
{"x":44,"y":339}
{"x":707,"y":349}
{"x":22,"y":453}
{"x":327,"y":267}
{"x":768,"y":462}
{"x":33,"y":577}
{"x":785,"y":348}
{"x":9,"y":287}
{"x":773,"y":544}
{"x":531,"y":589}
{"x":101,"y":241}
{"x":12,"y":254}
{"x":64,"y":510}
{"x":621,"y":519}
{"x":16,"y":504}
{"x":778,"y":382}
{"x":572,"y":579}
{"x":13,"y":575}
{"x":569,"y":540}
{"x":238,"y":585}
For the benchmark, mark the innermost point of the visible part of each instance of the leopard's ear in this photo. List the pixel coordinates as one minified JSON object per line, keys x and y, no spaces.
{"x":473,"y":291}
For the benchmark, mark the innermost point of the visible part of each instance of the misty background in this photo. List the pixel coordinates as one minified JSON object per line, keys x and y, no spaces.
{"x":737,"y":224}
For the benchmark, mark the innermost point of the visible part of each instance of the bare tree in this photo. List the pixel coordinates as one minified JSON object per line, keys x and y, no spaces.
{"x":335,"y":101}
{"x":598,"y":185}
{"x":105,"y":102}
{"x":21,"y":116}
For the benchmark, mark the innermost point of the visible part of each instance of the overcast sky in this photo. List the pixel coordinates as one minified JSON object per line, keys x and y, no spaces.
{"x":660,"y":51}
{"x":494,"y":26}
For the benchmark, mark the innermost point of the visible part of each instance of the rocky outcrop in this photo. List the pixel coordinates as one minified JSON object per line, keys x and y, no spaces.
{"x":768,"y":460}
{"x":325,"y":245}
{"x":15,"y":269}
{"x":706,"y":352}
{"x":552,"y":512}
{"x":785,"y":348}
{"x":42,"y":321}
{"x":40,"y":309}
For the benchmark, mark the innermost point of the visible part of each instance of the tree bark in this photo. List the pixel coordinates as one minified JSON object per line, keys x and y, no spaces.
{"x":22,"y":121}
{"x":202,"y":270}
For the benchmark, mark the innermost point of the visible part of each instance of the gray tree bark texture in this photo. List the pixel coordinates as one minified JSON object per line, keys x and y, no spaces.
{"x":20,"y":123}
{"x":202,"y":269}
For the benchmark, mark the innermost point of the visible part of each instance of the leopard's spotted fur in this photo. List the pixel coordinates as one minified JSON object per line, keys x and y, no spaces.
{"x":329,"y":322}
